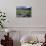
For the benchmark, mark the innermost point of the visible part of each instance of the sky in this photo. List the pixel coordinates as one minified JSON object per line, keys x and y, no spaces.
{"x":23,"y":6}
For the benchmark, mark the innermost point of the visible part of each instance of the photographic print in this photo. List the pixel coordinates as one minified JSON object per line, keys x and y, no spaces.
{"x":23,"y":11}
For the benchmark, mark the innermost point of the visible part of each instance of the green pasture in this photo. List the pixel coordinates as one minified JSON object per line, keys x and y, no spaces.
{"x":20,"y":12}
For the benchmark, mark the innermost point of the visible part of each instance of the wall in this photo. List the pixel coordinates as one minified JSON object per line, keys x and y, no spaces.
{"x":38,"y":13}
